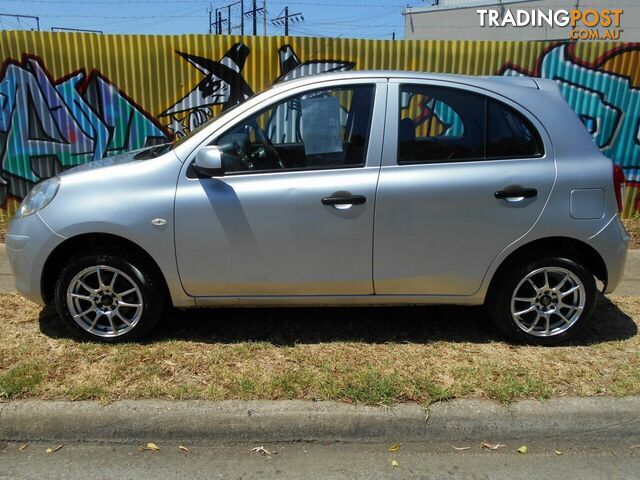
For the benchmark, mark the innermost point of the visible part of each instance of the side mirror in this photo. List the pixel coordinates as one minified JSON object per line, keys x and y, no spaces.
{"x":209,"y":161}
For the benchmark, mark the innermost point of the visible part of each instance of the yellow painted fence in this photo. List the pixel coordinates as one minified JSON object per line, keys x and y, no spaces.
{"x":70,"y":98}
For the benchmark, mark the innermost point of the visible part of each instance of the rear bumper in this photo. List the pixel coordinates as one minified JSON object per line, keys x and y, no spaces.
{"x":612,"y":242}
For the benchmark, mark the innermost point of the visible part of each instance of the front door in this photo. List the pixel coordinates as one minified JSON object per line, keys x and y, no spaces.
{"x":293,"y":214}
{"x":464,"y":175}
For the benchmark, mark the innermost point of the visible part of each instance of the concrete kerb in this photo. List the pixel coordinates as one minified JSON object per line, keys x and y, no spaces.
{"x":131,"y":421}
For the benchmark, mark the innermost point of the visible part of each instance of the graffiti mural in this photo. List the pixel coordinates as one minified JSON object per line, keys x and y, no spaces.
{"x":47,"y":126}
{"x":291,"y":67}
{"x":607,"y":101}
{"x":53,"y":115}
{"x":223,"y":84}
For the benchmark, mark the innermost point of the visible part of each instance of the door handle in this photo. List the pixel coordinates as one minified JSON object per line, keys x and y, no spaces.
{"x":344,"y":200}
{"x":516,"y":193}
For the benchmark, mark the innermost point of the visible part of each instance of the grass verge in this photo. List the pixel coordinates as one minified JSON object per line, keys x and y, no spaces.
{"x":367,"y":355}
{"x":633,"y":227}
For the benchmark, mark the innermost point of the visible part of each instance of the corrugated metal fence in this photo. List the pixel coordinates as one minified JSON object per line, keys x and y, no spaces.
{"x":69,"y":98}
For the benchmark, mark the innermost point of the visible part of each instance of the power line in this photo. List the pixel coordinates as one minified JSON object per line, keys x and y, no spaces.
{"x":204,"y":2}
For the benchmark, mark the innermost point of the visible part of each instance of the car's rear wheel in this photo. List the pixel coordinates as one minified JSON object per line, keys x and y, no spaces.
{"x":543,"y":301}
{"x":108,"y":298}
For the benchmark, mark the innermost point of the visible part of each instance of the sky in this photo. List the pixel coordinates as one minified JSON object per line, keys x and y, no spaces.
{"x":334,"y":18}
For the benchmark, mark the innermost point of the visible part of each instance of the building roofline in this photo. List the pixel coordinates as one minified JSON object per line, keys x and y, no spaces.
{"x":474,"y":4}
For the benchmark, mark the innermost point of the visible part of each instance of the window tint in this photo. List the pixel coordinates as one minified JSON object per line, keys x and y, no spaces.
{"x":322,"y":129}
{"x":438,"y":124}
{"x":509,"y":135}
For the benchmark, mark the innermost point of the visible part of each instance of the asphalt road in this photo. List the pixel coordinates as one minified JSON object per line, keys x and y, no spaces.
{"x":596,"y":459}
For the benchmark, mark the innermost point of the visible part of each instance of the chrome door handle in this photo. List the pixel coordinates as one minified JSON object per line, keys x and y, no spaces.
{"x":344,"y":200}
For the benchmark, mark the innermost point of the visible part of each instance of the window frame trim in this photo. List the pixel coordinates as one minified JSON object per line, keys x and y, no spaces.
{"x":391,"y":143}
{"x":373,"y":151}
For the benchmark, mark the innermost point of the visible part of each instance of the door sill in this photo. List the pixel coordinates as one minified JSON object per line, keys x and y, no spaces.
{"x":335,"y":300}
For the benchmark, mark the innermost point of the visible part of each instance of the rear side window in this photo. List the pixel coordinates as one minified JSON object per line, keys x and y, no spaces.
{"x":509,"y":134}
{"x":439,"y":124}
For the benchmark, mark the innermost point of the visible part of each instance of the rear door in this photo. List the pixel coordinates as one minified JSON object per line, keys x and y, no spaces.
{"x":464,"y":175}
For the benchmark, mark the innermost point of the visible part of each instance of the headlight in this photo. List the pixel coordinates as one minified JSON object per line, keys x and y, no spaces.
{"x":39,"y":197}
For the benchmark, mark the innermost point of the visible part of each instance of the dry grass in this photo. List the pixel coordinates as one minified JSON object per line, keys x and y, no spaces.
{"x":3,"y":229}
{"x":633,"y":227}
{"x":375,"y":356}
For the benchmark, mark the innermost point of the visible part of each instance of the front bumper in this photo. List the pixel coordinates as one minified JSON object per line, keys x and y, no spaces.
{"x":29,"y":243}
{"x":612,"y":242}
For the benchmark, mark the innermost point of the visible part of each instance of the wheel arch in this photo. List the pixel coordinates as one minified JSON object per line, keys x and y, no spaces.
{"x":570,"y":248}
{"x":91,"y":242}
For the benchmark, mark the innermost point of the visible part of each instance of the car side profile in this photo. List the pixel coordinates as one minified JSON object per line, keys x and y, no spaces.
{"x":354,"y":188}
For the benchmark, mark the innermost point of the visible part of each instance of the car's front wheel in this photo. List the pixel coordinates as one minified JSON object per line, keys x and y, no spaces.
{"x":109,"y":298}
{"x":544,"y":301}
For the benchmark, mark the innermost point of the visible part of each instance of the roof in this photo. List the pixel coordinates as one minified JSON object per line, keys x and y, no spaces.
{"x":487,"y":82}
{"x":456,"y":5}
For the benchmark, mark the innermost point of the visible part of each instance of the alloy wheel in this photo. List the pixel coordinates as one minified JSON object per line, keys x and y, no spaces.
{"x":104,"y":301}
{"x":548,"y":301}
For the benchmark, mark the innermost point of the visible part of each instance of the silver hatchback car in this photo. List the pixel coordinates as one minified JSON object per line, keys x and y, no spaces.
{"x":339,"y":189}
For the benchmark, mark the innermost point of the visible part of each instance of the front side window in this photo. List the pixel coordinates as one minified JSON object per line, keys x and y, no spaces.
{"x":326,"y":128}
{"x":439,"y":124}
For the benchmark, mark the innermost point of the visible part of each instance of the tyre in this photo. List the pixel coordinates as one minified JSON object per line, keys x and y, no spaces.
{"x":544,"y":301}
{"x":110,"y":298}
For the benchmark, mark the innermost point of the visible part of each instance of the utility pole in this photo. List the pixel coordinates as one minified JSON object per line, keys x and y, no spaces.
{"x":255,"y":19}
{"x":264,"y":17}
{"x":243,"y":13}
{"x":285,"y":17}
{"x":254,"y":15}
{"x":242,"y":17}
{"x":219,"y":24}
{"x":286,"y":21}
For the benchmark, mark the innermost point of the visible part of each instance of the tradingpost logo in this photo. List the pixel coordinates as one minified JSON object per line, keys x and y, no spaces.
{"x":587,"y":24}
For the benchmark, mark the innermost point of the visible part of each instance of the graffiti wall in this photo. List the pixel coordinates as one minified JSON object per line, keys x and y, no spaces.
{"x":70,"y":98}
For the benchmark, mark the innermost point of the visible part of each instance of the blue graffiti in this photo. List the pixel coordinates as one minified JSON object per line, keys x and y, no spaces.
{"x":46,"y":126}
{"x":607,"y":103}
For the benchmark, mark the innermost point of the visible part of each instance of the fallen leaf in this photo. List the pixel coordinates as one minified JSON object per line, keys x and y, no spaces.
{"x":523,"y":449}
{"x":459,"y":448}
{"x":22,"y":447}
{"x":395,"y":448}
{"x":152,"y":446}
{"x":488,"y":446}
{"x":261,"y":450}
{"x":634,"y":446}
{"x":183,"y":448}
{"x":394,"y":463}
{"x":54,"y":449}
{"x":557,"y":452}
